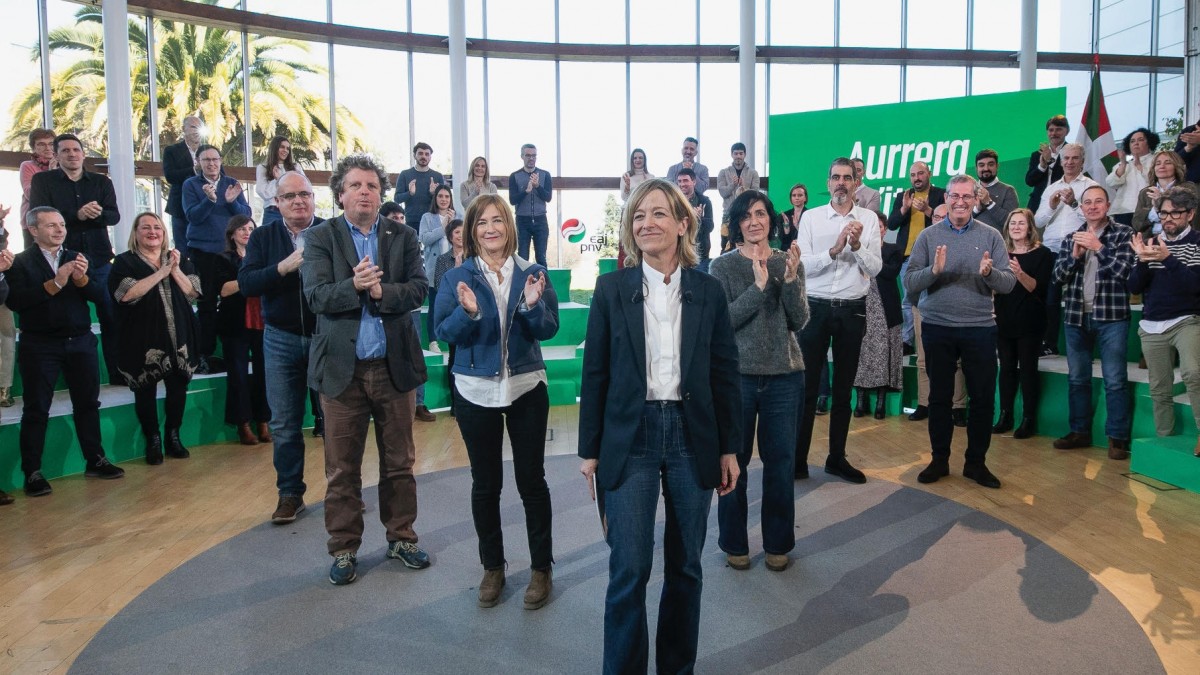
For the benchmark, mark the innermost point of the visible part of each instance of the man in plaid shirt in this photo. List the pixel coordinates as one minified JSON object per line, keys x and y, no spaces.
{"x":1093,"y":265}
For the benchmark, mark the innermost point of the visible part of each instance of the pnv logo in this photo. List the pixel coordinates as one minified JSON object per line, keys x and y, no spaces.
{"x":573,"y":230}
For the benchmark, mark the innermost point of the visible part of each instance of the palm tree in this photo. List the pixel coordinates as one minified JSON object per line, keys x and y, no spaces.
{"x":199,"y":72}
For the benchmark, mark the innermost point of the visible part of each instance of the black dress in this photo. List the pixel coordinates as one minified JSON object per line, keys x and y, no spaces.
{"x":1020,"y":325}
{"x":161,"y":339}
{"x":242,"y":347}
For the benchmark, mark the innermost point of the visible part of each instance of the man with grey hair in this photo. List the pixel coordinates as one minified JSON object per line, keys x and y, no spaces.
{"x":864,"y":196}
{"x":179,"y":164}
{"x":271,"y":272}
{"x":1167,"y":275}
{"x":529,"y":190}
{"x":955,"y":283}
{"x":363,"y":275}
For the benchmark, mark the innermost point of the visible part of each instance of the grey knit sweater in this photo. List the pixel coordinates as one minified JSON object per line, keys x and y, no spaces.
{"x":764,"y":322}
{"x":958,"y":296}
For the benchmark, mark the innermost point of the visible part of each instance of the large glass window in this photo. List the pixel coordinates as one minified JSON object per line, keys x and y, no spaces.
{"x":662,"y":104}
{"x":590,"y":22}
{"x":524,"y":20}
{"x":1170,"y":28}
{"x":662,"y":22}
{"x":802,"y":23}
{"x":868,"y":85}
{"x":521,"y":111}
{"x":369,"y":14}
{"x":1125,"y":28}
{"x":309,"y":10}
{"x":431,"y":98}
{"x":293,"y":102}
{"x":994,"y":80}
{"x":1170,"y":102}
{"x":937,"y":24}
{"x":997,"y":24}
{"x":1126,"y":98}
{"x":720,"y":22}
{"x":378,"y":112}
{"x":875,"y":23}
{"x":593,"y":119}
{"x":930,"y":82}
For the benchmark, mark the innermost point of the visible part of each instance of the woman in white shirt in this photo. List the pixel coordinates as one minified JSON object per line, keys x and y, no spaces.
{"x":479,"y":183}
{"x":636,"y":174}
{"x":497,"y":309}
{"x":279,"y":161}
{"x":1131,"y":174}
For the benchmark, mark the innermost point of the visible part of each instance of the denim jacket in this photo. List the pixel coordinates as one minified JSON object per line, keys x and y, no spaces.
{"x":477,"y":341}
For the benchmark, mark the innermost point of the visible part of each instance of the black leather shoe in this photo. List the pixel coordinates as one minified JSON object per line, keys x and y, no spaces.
{"x":822,"y":405}
{"x":959,"y":415}
{"x":980,"y":474}
{"x":1027,"y":429}
{"x":175,"y":446}
{"x":802,"y":472}
{"x":842,"y":469}
{"x":36,"y":485}
{"x":1005,"y":423}
{"x":919,"y":414}
{"x":1074,"y":440}
{"x":937,"y":468}
{"x":880,"y":404}
{"x":862,"y":406}
{"x":103,"y":469}
{"x":318,"y":427}
{"x":154,"y":452}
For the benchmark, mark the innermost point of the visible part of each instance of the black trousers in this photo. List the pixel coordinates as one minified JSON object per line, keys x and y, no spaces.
{"x":483,"y":434}
{"x":976,"y":349}
{"x":41,"y":360}
{"x":145,"y":403}
{"x":246,"y":387}
{"x":207,"y":266}
{"x":1019,"y":365}
{"x":842,"y":323}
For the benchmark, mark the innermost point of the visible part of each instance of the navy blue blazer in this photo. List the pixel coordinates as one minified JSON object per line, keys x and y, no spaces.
{"x":613,"y":391}
{"x":477,"y":341}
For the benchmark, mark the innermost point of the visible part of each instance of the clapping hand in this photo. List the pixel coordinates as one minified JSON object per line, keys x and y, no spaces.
{"x":210,"y":191}
{"x":791,"y":270}
{"x":534,"y":287}
{"x":1047,"y":156}
{"x":760,"y":273}
{"x":366,"y":275}
{"x":1014,"y":265}
{"x":853,"y":234}
{"x":939,"y":260}
{"x":985,"y":264}
{"x":1088,"y":240}
{"x":466,"y":298}
{"x":1149,"y":250}
{"x":232,"y":192}
{"x":90,"y":210}
{"x":6,"y":259}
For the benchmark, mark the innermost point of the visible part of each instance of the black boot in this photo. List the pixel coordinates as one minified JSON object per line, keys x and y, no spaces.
{"x":175,"y":446}
{"x":862,"y":407}
{"x":1005,"y":422}
{"x":1027,"y":429}
{"x":154,"y":452}
{"x":880,"y":403}
{"x":318,"y":426}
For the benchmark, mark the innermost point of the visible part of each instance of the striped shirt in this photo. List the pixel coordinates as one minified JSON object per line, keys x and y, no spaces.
{"x":1170,"y":289}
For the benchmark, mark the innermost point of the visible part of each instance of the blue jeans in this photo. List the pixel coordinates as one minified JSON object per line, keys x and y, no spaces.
{"x":659,"y":456}
{"x":536,"y":228}
{"x":1111,"y":336}
{"x":285,"y":357}
{"x":772,"y":400}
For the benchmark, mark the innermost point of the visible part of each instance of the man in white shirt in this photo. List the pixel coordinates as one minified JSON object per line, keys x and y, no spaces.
{"x":841,"y":246}
{"x":1057,"y":216}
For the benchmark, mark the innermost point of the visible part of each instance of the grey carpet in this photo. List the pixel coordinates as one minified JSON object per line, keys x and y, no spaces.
{"x":888,"y":579}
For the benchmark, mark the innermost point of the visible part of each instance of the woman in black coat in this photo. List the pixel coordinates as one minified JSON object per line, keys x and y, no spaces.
{"x":240,"y":325}
{"x":153,"y":286}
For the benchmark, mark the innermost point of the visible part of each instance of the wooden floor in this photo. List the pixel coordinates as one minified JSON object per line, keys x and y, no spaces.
{"x":72,"y":560}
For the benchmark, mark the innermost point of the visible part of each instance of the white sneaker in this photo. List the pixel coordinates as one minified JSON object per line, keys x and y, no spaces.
{"x":435,"y":347}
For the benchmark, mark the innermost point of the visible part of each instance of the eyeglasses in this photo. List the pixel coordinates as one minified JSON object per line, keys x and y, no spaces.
{"x":1172,"y":214}
{"x":291,"y":196}
{"x":951,"y":197}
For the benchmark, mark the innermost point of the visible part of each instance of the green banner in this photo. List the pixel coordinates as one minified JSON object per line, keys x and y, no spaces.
{"x":944,"y":133}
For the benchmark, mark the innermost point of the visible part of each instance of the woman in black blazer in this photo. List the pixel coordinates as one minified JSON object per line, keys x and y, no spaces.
{"x":658,"y":412}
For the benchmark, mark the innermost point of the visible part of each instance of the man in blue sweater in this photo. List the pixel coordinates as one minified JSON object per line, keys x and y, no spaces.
{"x":959,"y":264}
{"x":529,"y":191}
{"x":271,"y":270}
{"x":1167,"y":274}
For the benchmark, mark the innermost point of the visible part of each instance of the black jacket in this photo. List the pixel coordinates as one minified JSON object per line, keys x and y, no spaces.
{"x":89,"y":237}
{"x":64,"y":314}
{"x":283,"y":303}
{"x":177,"y":166}
{"x":889,"y":289}
{"x":1036,"y":178}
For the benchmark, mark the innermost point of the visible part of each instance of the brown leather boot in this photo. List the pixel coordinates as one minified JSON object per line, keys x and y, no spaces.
{"x":1118,"y":449}
{"x":1074,"y":440}
{"x":245,"y":435}
{"x":264,"y":433}
{"x":490,"y":587}
{"x":538,"y":593}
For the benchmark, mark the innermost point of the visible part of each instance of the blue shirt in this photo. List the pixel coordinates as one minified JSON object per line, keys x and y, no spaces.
{"x":372,"y":343}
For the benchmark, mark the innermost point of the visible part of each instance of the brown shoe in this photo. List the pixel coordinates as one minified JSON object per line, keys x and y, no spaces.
{"x":424,"y":415}
{"x":288,"y":508}
{"x":490,"y":587}
{"x":5,"y":498}
{"x":246,"y":436}
{"x":1074,"y":440}
{"x":1118,"y":449}
{"x":778,"y":563}
{"x":264,"y":433}
{"x":538,"y":593}
{"x":738,"y":562}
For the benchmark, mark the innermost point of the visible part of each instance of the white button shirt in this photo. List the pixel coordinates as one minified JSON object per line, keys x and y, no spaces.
{"x":662,"y":307}
{"x":848,"y":276}
{"x":1058,"y":222}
